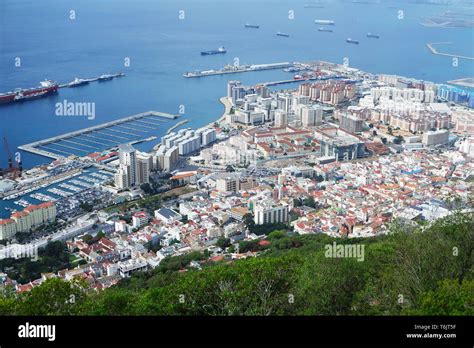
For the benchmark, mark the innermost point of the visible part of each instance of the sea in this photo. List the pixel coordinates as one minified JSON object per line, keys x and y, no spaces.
{"x":155,"y":41}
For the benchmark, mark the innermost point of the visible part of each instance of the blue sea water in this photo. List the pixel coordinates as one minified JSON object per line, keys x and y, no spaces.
{"x":161,"y":47}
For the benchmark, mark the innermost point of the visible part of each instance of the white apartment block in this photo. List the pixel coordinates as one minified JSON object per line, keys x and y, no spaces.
{"x":268,"y":212}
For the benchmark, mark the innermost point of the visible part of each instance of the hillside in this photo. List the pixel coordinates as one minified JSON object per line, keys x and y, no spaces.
{"x":418,"y":271}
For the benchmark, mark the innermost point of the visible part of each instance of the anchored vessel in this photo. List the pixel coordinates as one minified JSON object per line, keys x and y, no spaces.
{"x":325,"y":29}
{"x":352,"y":41}
{"x":255,"y":26}
{"x":218,"y":51}
{"x":283,"y":34}
{"x":46,"y":87}
{"x":78,"y":82}
{"x":105,"y":77}
{"x":324,"y":21}
{"x":373,"y":35}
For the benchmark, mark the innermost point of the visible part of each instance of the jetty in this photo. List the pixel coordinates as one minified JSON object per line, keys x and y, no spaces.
{"x":435,"y":51}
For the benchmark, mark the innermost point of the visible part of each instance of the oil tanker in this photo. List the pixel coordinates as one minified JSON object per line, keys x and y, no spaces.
{"x":46,"y":88}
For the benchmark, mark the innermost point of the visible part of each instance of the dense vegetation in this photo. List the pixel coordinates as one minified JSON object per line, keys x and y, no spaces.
{"x":52,"y":258}
{"x":427,"y":270}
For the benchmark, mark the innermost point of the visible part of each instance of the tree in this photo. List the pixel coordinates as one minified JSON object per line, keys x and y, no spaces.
{"x":310,"y":202}
{"x":248,"y":220}
{"x":53,"y":297}
{"x":450,"y":298}
{"x":146,"y":187}
{"x":223,"y":242}
{"x":86,"y":207}
{"x":398,"y":139}
{"x":87,"y":238}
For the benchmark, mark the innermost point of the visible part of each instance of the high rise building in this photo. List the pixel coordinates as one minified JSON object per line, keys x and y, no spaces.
{"x":121,"y":178}
{"x":311,"y":115}
{"x":134,"y":168}
{"x":144,"y":166}
{"x":268,"y":212}
{"x":350,"y":123}
{"x":128,"y":161}
{"x":435,"y":137}
{"x":281,"y":118}
{"x":170,"y":158}
{"x":7,"y":228}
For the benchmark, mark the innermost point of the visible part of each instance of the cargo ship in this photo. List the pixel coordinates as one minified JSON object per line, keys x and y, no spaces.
{"x":283,"y":34}
{"x":220,"y":50}
{"x":352,"y":41}
{"x":254,"y":26}
{"x":78,"y":82}
{"x":325,"y":30}
{"x":373,"y":35}
{"x":105,"y":77}
{"x":324,"y":21}
{"x":45,"y":88}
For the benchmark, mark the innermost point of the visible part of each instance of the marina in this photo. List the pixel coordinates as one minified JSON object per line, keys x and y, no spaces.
{"x":65,"y":188}
{"x":132,"y":129}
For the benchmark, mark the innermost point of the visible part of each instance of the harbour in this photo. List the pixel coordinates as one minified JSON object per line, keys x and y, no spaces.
{"x":132,"y":129}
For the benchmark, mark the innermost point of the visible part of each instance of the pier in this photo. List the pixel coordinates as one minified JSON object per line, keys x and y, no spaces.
{"x":231,"y":69}
{"x":316,"y":78}
{"x":180,"y":123}
{"x":57,"y":147}
{"x":434,"y":51}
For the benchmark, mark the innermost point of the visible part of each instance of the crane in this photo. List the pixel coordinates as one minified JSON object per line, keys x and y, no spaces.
{"x":14,"y":169}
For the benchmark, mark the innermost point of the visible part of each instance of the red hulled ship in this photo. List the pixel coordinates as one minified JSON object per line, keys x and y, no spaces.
{"x":7,"y":97}
{"x":46,"y":87}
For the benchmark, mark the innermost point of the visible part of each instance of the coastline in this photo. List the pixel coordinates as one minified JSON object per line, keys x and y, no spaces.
{"x":227,"y":107}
